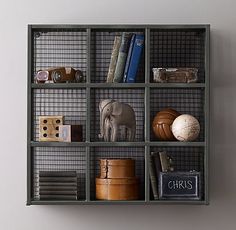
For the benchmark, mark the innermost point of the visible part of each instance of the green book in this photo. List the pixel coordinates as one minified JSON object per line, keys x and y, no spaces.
{"x":123,"y":53}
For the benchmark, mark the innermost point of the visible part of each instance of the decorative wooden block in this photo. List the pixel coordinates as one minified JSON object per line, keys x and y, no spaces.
{"x":49,"y":128}
{"x":70,"y":133}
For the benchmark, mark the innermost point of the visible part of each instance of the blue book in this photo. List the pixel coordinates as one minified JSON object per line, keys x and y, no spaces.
{"x":123,"y":52}
{"x":135,"y":58}
{"x":129,"y":57}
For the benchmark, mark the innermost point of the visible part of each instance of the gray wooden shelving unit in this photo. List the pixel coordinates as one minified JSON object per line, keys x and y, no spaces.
{"x":88,"y":47}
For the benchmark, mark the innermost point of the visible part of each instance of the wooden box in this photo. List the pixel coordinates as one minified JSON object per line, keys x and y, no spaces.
{"x":117,"y":189}
{"x":117,"y":168}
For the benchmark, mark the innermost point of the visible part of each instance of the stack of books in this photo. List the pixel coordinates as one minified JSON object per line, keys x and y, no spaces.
{"x":58,"y":185}
{"x":125,"y":57}
{"x":158,"y":162}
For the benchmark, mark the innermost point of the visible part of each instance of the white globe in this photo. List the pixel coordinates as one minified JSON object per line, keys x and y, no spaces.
{"x":185,"y":128}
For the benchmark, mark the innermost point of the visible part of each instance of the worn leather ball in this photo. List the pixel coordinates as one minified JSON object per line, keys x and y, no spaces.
{"x":162,"y":122}
{"x":186,"y":128}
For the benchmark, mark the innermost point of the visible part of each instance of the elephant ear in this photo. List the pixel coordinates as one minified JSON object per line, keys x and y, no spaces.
{"x":117,"y":108}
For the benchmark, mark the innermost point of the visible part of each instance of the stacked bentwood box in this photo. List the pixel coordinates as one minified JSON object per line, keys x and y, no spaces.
{"x":125,"y":57}
{"x":117,"y":180}
{"x":58,"y":185}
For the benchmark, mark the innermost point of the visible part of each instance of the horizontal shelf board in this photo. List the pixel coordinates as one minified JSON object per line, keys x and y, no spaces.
{"x":118,"y":144}
{"x":58,"y":85}
{"x":128,"y":202}
{"x":57,"y":144}
{"x":116,"y":85}
{"x":183,"y":202}
{"x":120,"y":26}
{"x":177,"y":85}
{"x":175,"y":143}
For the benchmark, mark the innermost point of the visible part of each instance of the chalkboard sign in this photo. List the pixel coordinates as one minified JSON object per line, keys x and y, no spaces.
{"x":179,"y":185}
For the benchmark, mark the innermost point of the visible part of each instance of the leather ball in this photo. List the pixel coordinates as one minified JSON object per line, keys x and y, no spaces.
{"x":186,"y":128}
{"x":162,"y":122}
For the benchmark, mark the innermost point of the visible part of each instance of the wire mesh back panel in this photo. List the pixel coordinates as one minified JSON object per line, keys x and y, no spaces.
{"x":136,"y":153}
{"x":70,"y":103}
{"x":178,"y":48}
{"x":186,"y":159}
{"x":133,"y":97}
{"x":59,"y":159}
{"x":60,"y":48}
{"x":185,"y":101}
{"x":101,"y":49}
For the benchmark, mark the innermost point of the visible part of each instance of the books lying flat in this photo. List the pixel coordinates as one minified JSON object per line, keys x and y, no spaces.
{"x":54,"y":184}
{"x":57,"y":173}
{"x":57,"y":179}
{"x":58,"y":185}
{"x":58,"y":188}
{"x":58,"y":197}
{"x":62,"y":192}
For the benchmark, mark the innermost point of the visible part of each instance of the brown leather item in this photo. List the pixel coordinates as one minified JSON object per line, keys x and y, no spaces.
{"x":117,"y":189}
{"x":162,"y":122}
{"x":117,"y":168}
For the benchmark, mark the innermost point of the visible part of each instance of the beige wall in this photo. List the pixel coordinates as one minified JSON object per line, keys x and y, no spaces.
{"x":14,"y":17}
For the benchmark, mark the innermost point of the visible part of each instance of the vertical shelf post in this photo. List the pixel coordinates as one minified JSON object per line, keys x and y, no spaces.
{"x":147,"y":111}
{"x":29,"y":116}
{"x":207,"y":112}
{"x":88,"y":104}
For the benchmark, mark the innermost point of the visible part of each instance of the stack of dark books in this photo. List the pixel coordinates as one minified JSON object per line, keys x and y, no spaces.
{"x":58,"y":185}
{"x":158,"y":162}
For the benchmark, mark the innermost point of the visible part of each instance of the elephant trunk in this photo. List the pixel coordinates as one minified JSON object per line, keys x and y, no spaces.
{"x":102,"y":122}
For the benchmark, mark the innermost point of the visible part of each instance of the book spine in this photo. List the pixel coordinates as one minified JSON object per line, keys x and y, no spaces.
{"x":57,"y":188}
{"x":58,"y":197}
{"x":114,"y":56}
{"x":135,"y":58}
{"x":128,"y":57}
{"x":57,"y":179}
{"x":122,"y":56}
{"x":57,"y":173}
{"x":157,"y":163}
{"x":48,"y":192}
{"x":153,"y":178}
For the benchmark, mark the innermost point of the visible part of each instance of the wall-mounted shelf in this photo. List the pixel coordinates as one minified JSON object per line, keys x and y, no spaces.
{"x":88,"y":47}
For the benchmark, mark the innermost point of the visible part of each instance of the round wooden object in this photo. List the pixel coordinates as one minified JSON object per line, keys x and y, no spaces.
{"x":162,"y":122}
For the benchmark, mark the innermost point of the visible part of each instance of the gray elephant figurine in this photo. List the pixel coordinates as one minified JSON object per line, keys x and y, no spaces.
{"x":114,"y":114}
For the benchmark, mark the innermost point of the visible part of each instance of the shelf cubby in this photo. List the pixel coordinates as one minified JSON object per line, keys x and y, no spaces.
{"x":135,"y":153}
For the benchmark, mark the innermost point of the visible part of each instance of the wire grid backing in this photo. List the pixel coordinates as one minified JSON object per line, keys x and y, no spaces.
{"x":60,"y":48}
{"x":185,"y":101}
{"x":186,"y":159}
{"x":133,"y":97}
{"x":136,"y":153}
{"x":178,"y":48}
{"x":101,"y":49}
{"x":70,"y":103}
{"x":59,"y":159}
